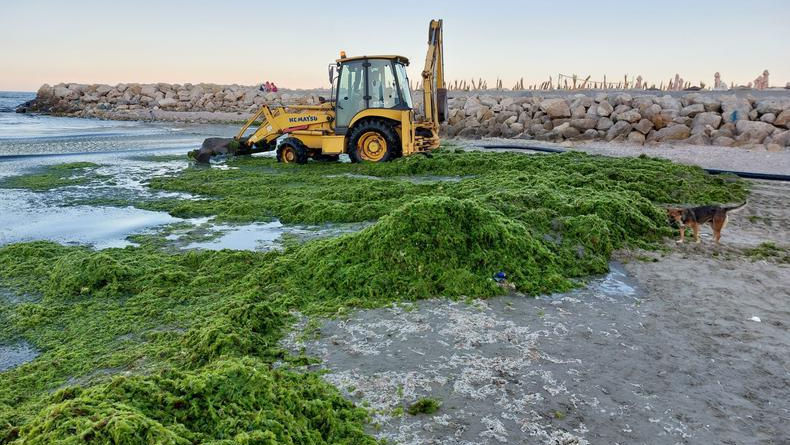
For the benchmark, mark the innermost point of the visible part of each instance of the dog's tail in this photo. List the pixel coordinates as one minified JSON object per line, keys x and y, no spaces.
{"x":736,"y":208}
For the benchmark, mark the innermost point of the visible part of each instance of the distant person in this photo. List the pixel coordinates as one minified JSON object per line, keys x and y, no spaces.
{"x":273,"y":87}
{"x":266,"y":87}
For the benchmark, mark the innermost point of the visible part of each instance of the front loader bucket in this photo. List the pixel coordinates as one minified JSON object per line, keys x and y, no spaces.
{"x":214,"y":147}
{"x":227,"y":147}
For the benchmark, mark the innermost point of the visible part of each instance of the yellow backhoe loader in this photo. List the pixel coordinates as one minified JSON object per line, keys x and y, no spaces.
{"x":370,"y":115}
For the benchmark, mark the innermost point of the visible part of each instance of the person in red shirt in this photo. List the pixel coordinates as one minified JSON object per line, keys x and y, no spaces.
{"x":273,"y":87}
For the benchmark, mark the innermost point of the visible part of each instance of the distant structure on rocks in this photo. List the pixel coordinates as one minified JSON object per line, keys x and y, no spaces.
{"x":761,"y":82}
{"x":717,"y":83}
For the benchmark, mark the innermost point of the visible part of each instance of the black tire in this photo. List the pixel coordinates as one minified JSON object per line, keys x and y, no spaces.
{"x":292,"y":151}
{"x":368,"y":127}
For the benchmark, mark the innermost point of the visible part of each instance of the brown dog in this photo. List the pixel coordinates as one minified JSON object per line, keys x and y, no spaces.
{"x":696,"y":216}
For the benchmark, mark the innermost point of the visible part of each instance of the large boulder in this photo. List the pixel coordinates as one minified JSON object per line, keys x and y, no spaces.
{"x":673,"y":133}
{"x":769,"y":118}
{"x":167,"y":102}
{"x":690,"y":99}
{"x":641,"y":103}
{"x":753,"y":132}
{"x":102,"y":90}
{"x":470,"y":107}
{"x":669,"y":103}
{"x":581,"y":100}
{"x":488,"y":100}
{"x":630,"y":116}
{"x":63,"y":92}
{"x":636,"y":137}
{"x":604,"y":123}
{"x":783,"y":138}
{"x":623,"y":99}
{"x":723,"y":141}
{"x":651,"y":111}
{"x":783,"y":119}
{"x":555,"y":108}
{"x":770,"y":105}
{"x":705,"y":122}
{"x":148,"y":90}
{"x":692,"y":110}
{"x":45,"y":92}
{"x":578,"y":112}
{"x":604,"y":109}
{"x":644,"y":126}
{"x":664,"y":118}
{"x":710,"y":103}
{"x":583,"y":124}
{"x":735,"y":109}
{"x":620,"y":128}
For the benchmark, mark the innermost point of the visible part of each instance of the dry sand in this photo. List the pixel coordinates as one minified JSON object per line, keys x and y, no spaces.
{"x":663,"y":350}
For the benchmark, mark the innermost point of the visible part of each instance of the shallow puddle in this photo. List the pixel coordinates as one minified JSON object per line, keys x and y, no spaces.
{"x":266,"y":236}
{"x":17,"y":354}
{"x":101,"y":227}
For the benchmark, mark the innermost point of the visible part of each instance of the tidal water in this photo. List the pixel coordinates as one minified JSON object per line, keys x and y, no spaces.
{"x":30,"y":142}
{"x":124,"y":152}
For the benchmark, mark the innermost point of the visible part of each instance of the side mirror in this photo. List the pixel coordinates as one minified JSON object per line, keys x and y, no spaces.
{"x":331,"y":74}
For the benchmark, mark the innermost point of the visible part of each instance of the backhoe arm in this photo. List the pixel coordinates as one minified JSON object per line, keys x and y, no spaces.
{"x":434,"y":91}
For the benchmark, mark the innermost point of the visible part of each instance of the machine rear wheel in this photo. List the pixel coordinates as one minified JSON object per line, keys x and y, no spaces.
{"x":292,"y":151}
{"x":373,"y":141}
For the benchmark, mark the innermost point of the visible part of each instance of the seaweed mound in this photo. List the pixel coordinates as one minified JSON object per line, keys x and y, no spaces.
{"x":431,"y":246}
{"x":229,"y":401}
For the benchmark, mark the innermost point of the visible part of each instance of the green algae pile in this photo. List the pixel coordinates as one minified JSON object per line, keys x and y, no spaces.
{"x":52,"y":177}
{"x":149,"y":345}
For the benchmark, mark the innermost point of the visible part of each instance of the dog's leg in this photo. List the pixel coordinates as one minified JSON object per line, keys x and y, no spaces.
{"x":682,"y":235}
{"x":695,"y":228}
{"x":718,"y":224}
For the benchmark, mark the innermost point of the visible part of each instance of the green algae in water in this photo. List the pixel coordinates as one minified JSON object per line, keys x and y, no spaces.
{"x":53,"y":176}
{"x":144,"y":344}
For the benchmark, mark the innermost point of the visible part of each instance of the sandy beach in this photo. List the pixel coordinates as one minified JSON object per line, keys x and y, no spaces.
{"x":685,"y":346}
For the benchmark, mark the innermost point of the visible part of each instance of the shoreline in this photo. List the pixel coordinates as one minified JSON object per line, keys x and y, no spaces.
{"x":740,"y":118}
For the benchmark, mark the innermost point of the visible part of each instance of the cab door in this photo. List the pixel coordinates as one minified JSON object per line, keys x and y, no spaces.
{"x":351,"y":93}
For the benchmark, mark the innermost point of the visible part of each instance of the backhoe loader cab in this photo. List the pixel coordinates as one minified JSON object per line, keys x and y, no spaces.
{"x":376,"y":82}
{"x":373,"y":107}
{"x":370,"y":116}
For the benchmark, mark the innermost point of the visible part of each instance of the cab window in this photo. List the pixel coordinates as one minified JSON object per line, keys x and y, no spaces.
{"x":382,"y":88}
{"x":350,"y":92}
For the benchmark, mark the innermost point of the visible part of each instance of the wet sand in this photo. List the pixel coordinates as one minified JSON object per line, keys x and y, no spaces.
{"x":663,"y":350}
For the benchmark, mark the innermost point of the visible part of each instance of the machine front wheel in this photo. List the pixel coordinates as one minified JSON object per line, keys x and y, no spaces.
{"x":373,"y":141}
{"x":292,"y":151}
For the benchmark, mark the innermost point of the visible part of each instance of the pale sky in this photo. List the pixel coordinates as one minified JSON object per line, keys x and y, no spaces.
{"x":292,"y":42}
